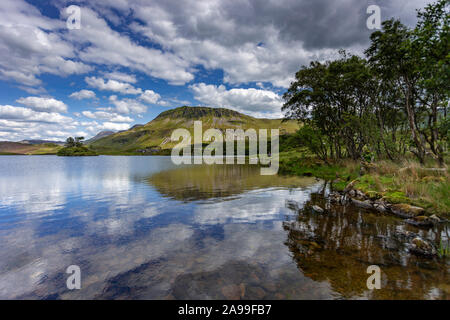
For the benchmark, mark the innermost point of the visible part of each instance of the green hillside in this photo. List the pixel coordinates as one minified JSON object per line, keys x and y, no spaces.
{"x":155,"y":135}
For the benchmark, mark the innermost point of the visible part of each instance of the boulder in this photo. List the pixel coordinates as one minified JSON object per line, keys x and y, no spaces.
{"x":435,"y":218}
{"x":362,"y":204}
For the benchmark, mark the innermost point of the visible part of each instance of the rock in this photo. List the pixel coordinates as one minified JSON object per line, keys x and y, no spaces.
{"x":344,"y":200}
{"x":292,"y":226}
{"x":405,"y":235}
{"x":404,"y":210}
{"x":242,"y":288}
{"x":380,"y":206}
{"x":256,"y":293}
{"x":350,"y":186}
{"x":360,"y":195}
{"x":362,"y":204}
{"x":422,"y":247}
{"x":352,"y":193}
{"x":287,"y":225}
{"x":318,"y":209}
{"x":231,"y":292}
{"x":435,"y":218}
{"x":293,"y":205}
{"x":279,"y":296}
{"x":426,"y":223}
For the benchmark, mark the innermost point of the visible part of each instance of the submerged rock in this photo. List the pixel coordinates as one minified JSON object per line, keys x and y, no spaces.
{"x":422,"y":222}
{"x":422,"y":247}
{"x":318,"y":209}
{"x":405,"y":235}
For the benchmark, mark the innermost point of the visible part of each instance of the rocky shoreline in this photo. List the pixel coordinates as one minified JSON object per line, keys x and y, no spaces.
{"x":411,"y":215}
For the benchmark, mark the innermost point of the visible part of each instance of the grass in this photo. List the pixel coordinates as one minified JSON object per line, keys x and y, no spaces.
{"x":301,"y":162}
{"x":9,"y":154}
{"x":444,"y":250}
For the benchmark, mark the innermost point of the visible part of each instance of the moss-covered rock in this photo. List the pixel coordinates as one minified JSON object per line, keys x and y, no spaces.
{"x":406,"y":210}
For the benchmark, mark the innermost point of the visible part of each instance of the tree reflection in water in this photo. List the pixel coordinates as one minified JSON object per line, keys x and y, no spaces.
{"x":339,"y":245}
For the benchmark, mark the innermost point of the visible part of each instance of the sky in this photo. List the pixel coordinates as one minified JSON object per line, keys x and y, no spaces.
{"x":129,"y":60}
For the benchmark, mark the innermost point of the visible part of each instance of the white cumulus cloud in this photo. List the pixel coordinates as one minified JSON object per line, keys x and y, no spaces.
{"x":83,"y":94}
{"x":103,"y":115}
{"x":112,"y":85}
{"x":150,"y":96}
{"x":254,"y":102}
{"x":43,"y":104}
{"x":126,"y":106}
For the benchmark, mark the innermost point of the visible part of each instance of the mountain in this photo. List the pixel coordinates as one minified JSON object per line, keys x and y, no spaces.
{"x":155,"y":135}
{"x":100,"y":135}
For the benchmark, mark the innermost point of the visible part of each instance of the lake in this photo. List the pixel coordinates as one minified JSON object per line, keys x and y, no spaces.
{"x":143,"y":228}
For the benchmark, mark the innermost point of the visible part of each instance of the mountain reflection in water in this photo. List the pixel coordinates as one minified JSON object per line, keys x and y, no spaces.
{"x":141,"y":228}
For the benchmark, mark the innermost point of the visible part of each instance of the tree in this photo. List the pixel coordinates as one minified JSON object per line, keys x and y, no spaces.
{"x":335,"y":98}
{"x":391,"y":58}
{"x":70,"y":142}
{"x":78,"y":141}
{"x":430,"y":43}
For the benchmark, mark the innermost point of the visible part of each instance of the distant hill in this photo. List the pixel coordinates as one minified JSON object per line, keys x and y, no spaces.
{"x":100,"y":135}
{"x":41,"y":142}
{"x":8,"y":147}
{"x":156,"y":134}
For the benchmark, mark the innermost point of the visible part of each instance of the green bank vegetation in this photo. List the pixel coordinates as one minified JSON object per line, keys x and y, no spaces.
{"x":381,"y":119}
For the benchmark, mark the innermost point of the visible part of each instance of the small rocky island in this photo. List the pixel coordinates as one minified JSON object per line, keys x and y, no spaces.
{"x":74,"y":148}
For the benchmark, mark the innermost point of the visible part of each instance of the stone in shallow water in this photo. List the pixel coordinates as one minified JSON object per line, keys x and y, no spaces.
{"x":420,"y":221}
{"x":422,"y":247}
{"x":231,"y":292}
{"x":318,"y":209}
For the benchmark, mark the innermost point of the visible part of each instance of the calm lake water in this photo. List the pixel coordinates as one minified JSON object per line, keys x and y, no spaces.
{"x":142,"y":228}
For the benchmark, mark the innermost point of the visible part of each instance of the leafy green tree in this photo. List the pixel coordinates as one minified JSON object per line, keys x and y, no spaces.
{"x":70,"y":142}
{"x":430,"y":43}
{"x":390,"y":56}
{"x":79,"y":141}
{"x":314,"y":141}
